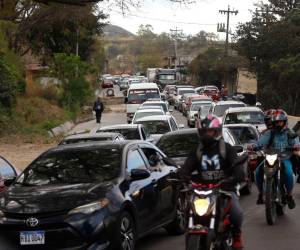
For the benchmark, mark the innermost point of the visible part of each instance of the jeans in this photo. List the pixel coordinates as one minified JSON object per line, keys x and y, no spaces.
{"x":236,"y":214}
{"x":289,"y":177}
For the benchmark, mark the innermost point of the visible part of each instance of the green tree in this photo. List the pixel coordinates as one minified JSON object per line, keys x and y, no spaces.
{"x":71,"y":70}
{"x":269,"y":39}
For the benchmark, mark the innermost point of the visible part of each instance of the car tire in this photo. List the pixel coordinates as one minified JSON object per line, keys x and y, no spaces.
{"x":178,"y":225}
{"x":125,"y":234}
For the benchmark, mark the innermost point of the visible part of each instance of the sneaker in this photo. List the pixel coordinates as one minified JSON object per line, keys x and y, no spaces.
{"x":237,"y":243}
{"x":260,"y":200}
{"x":290,"y":202}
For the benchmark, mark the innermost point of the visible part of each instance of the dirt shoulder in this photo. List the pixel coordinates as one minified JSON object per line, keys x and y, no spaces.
{"x":21,"y":154}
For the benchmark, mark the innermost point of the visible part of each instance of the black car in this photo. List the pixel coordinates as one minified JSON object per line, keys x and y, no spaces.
{"x":179,"y":144}
{"x":102,"y":195}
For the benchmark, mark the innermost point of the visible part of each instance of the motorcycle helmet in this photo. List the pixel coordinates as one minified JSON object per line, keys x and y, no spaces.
{"x":211,"y":122}
{"x":279,"y":119}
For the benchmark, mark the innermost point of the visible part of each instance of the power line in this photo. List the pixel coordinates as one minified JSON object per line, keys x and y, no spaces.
{"x":165,"y":20}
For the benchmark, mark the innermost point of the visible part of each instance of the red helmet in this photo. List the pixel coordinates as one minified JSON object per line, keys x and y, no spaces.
{"x":280,"y":115}
{"x":211,"y":122}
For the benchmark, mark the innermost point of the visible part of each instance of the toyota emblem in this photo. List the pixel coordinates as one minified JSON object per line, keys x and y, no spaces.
{"x":32,"y":222}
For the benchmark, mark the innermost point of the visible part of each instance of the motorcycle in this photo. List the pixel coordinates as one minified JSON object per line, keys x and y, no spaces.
{"x":275,"y":191}
{"x":209,"y":225}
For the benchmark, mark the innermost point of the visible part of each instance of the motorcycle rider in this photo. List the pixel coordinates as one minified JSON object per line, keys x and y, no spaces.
{"x":213,"y":161}
{"x":278,"y":137}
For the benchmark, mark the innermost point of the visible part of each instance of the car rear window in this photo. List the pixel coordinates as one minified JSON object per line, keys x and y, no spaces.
{"x":220,"y":109}
{"x":156,"y":127}
{"x":82,"y":140}
{"x":178,"y":145}
{"x":128,"y":133}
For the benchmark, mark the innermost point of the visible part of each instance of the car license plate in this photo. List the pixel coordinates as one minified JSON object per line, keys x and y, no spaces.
{"x":32,"y":238}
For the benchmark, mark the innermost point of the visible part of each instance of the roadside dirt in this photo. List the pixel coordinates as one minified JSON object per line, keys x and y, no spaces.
{"x":21,"y":154}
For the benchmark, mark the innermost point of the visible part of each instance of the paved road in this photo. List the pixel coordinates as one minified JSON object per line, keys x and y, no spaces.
{"x":257,"y":234}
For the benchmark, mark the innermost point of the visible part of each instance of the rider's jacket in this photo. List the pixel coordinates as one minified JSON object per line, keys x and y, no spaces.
{"x":278,"y":140}
{"x":206,"y":164}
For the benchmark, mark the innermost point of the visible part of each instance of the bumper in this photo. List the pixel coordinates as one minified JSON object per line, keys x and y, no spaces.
{"x":59,"y":234}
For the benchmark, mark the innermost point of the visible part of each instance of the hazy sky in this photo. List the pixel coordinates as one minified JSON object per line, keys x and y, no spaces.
{"x":164,"y":15}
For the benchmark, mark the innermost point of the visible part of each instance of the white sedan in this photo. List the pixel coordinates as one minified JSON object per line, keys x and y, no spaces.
{"x":140,"y":113}
{"x":159,"y":125}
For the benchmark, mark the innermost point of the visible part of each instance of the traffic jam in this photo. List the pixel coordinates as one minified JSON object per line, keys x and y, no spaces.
{"x":110,"y":187}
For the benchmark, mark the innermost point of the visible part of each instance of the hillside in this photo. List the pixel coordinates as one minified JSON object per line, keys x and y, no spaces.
{"x":114,"y":30}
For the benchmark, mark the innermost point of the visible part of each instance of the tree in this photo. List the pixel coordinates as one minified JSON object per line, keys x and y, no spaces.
{"x":269,"y":39}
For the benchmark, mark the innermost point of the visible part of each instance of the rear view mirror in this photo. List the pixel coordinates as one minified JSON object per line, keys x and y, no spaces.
{"x":139,"y":174}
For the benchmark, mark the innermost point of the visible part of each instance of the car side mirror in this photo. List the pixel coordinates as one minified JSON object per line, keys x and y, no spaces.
{"x":8,"y":182}
{"x":139,"y":174}
{"x":126,"y":100}
{"x":239,"y":149}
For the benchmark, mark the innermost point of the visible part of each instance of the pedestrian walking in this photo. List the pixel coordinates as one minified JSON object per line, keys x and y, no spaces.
{"x":98,"y":108}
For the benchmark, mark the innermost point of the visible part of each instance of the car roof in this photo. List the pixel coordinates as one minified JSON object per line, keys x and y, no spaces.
{"x":153,"y":102}
{"x":154,"y":118}
{"x":91,"y":144}
{"x":241,"y":125}
{"x":148,"y":85}
{"x":229,"y":102}
{"x":149,"y":110}
{"x":182,"y":132}
{"x":120,"y":126}
{"x":243,"y":109}
{"x":91,"y":135}
{"x":146,"y":107}
{"x":186,"y":88}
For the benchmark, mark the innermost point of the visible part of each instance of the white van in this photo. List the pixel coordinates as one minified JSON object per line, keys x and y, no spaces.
{"x":138,"y":94}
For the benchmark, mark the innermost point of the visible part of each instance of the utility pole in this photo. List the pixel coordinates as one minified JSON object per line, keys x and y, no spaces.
{"x":228,"y":12}
{"x":176,"y":32}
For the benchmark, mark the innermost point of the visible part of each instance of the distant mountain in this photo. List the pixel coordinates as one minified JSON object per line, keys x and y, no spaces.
{"x":114,"y":30}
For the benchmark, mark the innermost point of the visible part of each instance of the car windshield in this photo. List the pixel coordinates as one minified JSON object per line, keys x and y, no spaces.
{"x":167,"y":77}
{"x":220,"y":109}
{"x":196,"y":106}
{"x":156,"y":127}
{"x":185,"y":91}
{"x":204,"y":111}
{"x":245,"y":117}
{"x":128,"y":133}
{"x":142,"y":95}
{"x":73,"y":166}
{"x":179,"y":145}
{"x":82,"y":140}
{"x":163,"y":105}
{"x":140,"y":115}
{"x":245,"y":135}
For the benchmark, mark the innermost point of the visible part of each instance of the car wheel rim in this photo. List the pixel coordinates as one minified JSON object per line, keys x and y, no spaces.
{"x":127,"y":235}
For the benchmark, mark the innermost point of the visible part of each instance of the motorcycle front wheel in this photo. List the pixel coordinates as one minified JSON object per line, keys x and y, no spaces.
{"x":270,"y":203}
{"x":196,"y":242}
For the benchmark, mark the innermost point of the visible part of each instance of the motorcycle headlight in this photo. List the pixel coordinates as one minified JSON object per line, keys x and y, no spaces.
{"x":201,"y":206}
{"x":271,"y":159}
{"x":90,"y":208}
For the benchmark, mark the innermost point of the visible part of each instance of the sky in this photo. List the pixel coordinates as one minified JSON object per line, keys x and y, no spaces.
{"x":192,"y":18}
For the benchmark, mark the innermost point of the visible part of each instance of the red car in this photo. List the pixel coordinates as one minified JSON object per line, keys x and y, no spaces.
{"x":7,"y":173}
{"x":107,"y":84}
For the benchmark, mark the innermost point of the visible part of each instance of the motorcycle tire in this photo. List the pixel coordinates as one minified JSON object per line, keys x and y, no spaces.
{"x":193,"y":242}
{"x":270,"y":201}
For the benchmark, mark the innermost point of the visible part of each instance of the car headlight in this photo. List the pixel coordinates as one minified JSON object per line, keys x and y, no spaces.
{"x":271,"y":159}
{"x":201,"y":206}
{"x":90,"y":208}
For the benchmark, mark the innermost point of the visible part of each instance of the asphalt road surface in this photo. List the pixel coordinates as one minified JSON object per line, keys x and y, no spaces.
{"x":284,"y":235}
